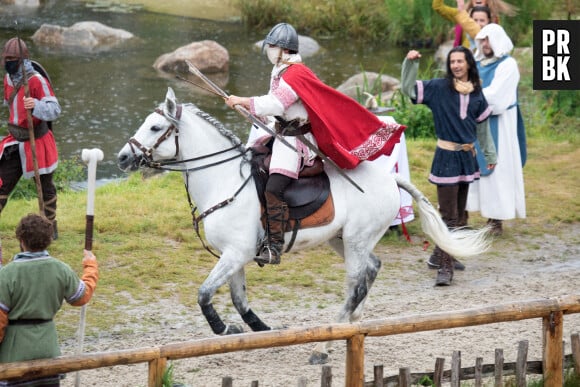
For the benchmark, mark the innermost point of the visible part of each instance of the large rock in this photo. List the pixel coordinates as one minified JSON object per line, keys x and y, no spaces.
{"x":206,"y":55}
{"x":87,"y":34}
{"x":306,"y":46}
{"x":368,"y":82}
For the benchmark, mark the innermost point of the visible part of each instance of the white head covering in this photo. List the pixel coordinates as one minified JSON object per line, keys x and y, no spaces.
{"x":500,"y":42}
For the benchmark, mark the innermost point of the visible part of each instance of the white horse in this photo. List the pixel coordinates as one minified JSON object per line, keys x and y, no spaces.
{"x":216,"y":171}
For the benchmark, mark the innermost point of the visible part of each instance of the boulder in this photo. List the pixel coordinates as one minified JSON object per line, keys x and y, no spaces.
{"x":207,"y":55}
{"x":368,"y":82}
{"x":87,"y":34}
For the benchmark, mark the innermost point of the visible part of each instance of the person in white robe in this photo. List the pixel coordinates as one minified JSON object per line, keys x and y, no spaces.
{"x":499,"y":195}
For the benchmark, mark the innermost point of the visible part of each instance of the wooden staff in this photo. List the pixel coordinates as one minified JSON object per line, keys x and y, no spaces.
{"x":32,"y":140}
{"x":90,"y":157}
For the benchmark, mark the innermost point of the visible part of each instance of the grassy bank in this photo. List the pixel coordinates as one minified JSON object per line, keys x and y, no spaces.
{"x":394,"y":21}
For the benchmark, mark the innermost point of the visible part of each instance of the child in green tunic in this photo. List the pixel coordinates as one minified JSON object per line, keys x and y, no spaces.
{"x":32,"y":289}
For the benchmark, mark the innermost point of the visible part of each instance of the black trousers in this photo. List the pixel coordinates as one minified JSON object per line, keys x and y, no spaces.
{"x":11,"y":172}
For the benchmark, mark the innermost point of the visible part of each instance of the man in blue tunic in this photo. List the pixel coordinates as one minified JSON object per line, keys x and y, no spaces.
{"x":460,"y":114}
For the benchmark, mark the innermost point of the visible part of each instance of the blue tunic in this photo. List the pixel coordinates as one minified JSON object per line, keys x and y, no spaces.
{"x":455,"y":117}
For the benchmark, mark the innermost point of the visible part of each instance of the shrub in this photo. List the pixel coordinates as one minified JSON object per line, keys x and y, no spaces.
{"x":68,"y":172}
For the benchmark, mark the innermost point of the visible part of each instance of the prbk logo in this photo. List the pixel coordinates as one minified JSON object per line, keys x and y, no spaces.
{"x":557,"y":54}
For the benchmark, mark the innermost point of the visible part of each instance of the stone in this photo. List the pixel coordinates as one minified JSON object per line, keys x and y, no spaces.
{"x":207,"y":55}
{"x":365,"y":82}
{"x":86,"y":34}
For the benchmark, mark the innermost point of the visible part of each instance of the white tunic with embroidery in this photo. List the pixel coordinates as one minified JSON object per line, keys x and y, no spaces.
{"x":283,"y":101}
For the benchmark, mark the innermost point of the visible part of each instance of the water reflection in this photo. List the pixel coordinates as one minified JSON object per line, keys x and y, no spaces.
{"x":106,"y":95}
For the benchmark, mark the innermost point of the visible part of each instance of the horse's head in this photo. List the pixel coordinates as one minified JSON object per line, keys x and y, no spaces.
{"x":156,"y":138}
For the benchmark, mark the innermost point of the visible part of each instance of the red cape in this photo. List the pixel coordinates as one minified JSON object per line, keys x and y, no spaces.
{"x":345,"y":131}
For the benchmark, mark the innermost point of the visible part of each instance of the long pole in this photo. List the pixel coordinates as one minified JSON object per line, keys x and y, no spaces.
{"x":90,"y":157}
{"x":31,"y":131}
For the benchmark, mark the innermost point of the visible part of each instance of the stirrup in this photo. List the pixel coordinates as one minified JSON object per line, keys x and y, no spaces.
{"x":268,"y":255}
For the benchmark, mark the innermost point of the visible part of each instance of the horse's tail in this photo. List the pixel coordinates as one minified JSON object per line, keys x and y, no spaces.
{"x":460,"y":242}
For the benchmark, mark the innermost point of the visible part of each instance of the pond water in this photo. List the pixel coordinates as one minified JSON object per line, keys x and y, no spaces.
{"x":106,"y":95}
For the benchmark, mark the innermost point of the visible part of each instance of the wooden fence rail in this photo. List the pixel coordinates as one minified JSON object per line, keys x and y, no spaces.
{"x":551,"y":311}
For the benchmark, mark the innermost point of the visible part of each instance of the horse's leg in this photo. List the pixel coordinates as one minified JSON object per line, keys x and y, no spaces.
{"x":240,"y":300}
{"x":360,"y":278}
{"x":373,"y":266}
{"x":227,"y":266}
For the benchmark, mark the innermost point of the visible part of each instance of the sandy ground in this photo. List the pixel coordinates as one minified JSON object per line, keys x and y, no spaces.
{"x":518,"y":267}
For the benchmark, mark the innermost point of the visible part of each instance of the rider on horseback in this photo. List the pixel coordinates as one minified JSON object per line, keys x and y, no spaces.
{"x":282,"y":102}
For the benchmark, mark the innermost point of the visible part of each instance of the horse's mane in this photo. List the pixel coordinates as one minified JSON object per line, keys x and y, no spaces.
{"x":235,"y":140}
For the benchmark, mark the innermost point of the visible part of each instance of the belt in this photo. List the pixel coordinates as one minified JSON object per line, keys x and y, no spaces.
{"x":28,"y":321}
{"x":453,"y":146}
{"x":291,"y":128}
{"x":22,"y":134}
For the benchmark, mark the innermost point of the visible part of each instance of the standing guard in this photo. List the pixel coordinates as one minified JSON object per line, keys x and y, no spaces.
{"x":16,"y":153}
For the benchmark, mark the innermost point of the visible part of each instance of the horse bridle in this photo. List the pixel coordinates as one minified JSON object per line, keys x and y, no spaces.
{"x":147,"y":159}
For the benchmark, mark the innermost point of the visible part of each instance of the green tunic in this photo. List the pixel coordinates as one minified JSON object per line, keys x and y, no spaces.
{"x":33,"y":287}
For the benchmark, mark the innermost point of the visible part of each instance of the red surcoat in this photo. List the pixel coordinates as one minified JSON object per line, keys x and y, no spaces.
{"x":46,"y":150}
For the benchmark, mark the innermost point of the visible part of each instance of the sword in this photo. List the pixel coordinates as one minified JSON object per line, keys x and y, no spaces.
{"x":240,"y":109}
{"x":243,"y":111}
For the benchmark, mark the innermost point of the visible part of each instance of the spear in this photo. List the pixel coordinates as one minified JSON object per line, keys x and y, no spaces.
{"x":31,"y":130}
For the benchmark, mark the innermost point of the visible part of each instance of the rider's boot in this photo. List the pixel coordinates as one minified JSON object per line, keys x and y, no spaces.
{"x":277,"y":217}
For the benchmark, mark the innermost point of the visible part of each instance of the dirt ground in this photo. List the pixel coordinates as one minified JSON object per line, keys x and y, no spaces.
{"x":518,"y":267}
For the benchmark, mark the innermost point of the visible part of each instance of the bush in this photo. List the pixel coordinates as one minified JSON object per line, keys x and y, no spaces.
{"x":68,"y":172}
{"x":401,"y":22}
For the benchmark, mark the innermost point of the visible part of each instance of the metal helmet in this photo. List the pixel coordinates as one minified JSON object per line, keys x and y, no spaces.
{"x":13,"y":49}
{"x":282,"y":35}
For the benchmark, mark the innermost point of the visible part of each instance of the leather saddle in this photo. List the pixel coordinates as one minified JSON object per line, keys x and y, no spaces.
{"x":309,"y":199}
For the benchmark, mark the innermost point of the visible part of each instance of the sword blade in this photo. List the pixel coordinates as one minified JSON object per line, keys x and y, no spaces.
{"x":240,"y":109}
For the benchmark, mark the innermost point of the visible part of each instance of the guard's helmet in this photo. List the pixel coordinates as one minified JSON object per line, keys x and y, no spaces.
{"x":12,"y":49}
{"x":282,"y":35}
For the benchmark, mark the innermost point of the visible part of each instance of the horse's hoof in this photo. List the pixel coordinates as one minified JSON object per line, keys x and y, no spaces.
{"x":234,"y":329}
{"x":318,"y":358}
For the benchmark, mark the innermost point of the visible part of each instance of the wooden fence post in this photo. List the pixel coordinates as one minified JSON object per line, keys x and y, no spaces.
{"x":478,"y":370}
{"x":227,"y":381}
{"x":439,"y":369}
{"x":156,"y":370}
{"x":456,"y":369}
{"x":355,"y":361}
{"x":521,"y":363}
{"x":498,"y":381}
{"x":405,"y":377}
{"x":553,"y":327}
{"x":326,"y":376}
{"x":575,"y":339}
{"x":378,"y":374}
